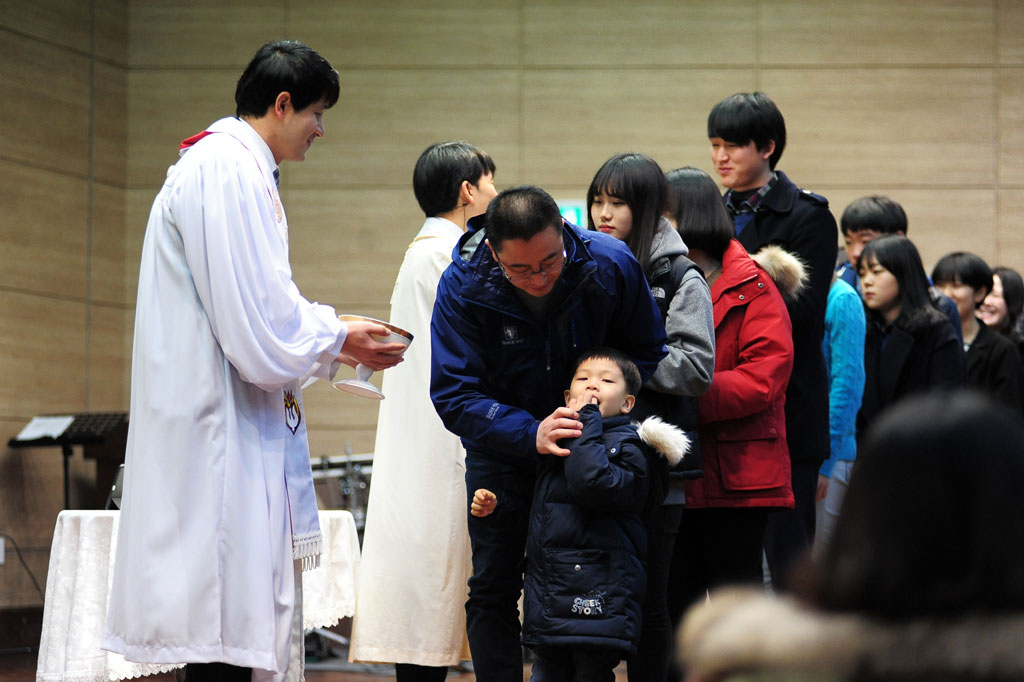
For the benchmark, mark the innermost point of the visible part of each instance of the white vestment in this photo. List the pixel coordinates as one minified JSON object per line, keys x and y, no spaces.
{"x":218,"y":499}
{"x":415,"y":561}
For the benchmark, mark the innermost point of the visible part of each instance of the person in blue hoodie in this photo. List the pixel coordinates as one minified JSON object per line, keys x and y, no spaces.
{"x":526,"y":294}
{"x":585,"y":575}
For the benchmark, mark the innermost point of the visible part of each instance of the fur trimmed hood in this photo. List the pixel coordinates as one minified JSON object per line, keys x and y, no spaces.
{"x":743,"y":632}
{"x":668,"y":440}
{"x":786,"y":270}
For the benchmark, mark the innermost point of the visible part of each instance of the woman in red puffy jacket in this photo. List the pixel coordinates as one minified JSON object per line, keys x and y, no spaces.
{"x":742,"y":419}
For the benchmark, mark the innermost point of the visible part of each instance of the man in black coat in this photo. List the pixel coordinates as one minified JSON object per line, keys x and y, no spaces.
{"x":748,"y":135}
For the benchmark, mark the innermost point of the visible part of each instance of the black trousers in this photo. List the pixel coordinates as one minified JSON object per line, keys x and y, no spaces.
{"x":407,"y":672}
{"x":498,"y":542}
{"x":654,"y":653}
{"x":216,"y":672}
{"x":790,"y":533}
{"x":574,"y":664}
{"x":717,"y":546}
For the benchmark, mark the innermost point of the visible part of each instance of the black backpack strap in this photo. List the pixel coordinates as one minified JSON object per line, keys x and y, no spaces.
{"x":666,"y":275}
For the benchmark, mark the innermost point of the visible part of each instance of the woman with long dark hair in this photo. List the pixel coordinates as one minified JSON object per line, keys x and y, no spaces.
{"x":1003,"y":308}
{"x":910,"y":346}
{"x":627,"y":198}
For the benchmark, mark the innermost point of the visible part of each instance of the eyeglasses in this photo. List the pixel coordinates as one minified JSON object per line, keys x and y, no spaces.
{"x":523,"y":273}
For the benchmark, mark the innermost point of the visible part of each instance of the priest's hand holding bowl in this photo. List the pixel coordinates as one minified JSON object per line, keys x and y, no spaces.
{"x":364,"y":345}
{"x":375,"y":345}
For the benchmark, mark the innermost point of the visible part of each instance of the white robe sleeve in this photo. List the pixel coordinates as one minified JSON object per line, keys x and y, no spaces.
{"x":237,"y":252}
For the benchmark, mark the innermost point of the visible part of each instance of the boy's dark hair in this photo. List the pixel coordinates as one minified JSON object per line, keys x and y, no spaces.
{"x":961,"y":267}
{"x":638,"y":180}
{"x":875,"y":213}
{"x":285,"y":66}
{"x":749,"y":117}
{"x":700,"y":215}
{"x":898,"y":255}
{"x":630,"y":372}
{"x":520,"y":213}
{"x":441,"y":170}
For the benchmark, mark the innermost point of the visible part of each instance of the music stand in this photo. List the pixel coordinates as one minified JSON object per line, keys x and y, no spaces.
{"x":103,"y":435}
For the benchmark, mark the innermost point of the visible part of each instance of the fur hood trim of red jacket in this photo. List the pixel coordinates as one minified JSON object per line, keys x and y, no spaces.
{"x":786,"y":270}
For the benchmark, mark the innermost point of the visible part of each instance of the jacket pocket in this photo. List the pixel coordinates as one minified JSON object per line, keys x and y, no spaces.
{"x":752,"y":452}
{"x":577,"y":583}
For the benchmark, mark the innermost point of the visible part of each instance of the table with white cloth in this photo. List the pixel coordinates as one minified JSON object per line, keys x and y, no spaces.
{"x":78,"y":585}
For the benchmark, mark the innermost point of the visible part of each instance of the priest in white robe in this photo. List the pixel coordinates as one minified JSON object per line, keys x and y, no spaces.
{"x":219,"y":513}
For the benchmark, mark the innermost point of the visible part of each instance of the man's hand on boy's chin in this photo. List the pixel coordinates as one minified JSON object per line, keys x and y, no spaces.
{"x":562,"y":423}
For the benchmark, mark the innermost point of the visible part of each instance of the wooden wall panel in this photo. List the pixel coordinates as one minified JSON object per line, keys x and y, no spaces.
{"x":346,"y":245}
{"x":938,"y":220}
{"x":1010,"y":32}
{"x":201,"y":34}
{"x":112,"y":31}
{"x":886,"y":126}
{"x":1010,"y":150}
{"x":107,"y":245}
{"x":408,"y":32}
{"x":324,"y":441}
{"x":45,"y":106}
{"x":62,"y":173}
{"x":962,"y":221}
{"x":42,"y":355}
{"x":109,"y":369}
{"x":658,"y":112}
{"x":110,"y":125}
{"x":44,"y":230}
{"x":877,"y":32}
{"x":329,"y":408}
{"x":65,"y":24}
{"x":661,"y":32}
{"x":336,"y":419}
{"x":386,"y":118}
{"x":1010,"y":236}
{"x":160,"y":116}
{"x":137,"y":204}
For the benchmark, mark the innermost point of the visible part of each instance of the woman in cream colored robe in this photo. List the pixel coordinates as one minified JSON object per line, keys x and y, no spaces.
{"x":415,"y":562}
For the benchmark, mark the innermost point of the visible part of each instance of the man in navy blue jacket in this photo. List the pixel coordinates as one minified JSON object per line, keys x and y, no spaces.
{"x":526,"y":294}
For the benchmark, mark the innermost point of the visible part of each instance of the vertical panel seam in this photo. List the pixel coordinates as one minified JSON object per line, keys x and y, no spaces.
{"x":996,"y":129}
{"x":758,"y":28}
{"x":91,"y":207}
{"x":521,"y":84}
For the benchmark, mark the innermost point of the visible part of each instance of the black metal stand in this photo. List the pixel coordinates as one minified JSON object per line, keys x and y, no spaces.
{"x":68,"y":452}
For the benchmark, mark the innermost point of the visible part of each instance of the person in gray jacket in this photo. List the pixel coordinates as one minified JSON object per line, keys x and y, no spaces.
{"x":627,"y":198}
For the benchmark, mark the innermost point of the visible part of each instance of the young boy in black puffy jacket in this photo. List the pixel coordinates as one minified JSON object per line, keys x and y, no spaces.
{"x":585,"y":575}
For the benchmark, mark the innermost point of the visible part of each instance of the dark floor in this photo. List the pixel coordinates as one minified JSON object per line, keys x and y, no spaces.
{"x":22,"y":668}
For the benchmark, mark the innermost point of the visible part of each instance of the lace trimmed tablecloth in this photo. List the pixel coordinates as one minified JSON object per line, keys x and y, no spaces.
{"x":78,"y":585}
